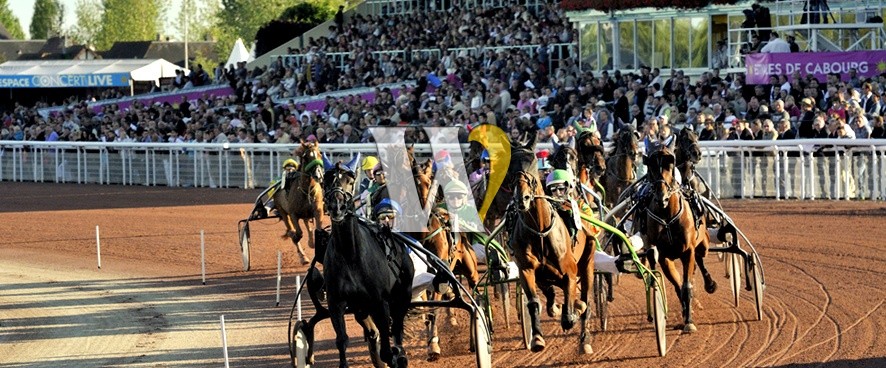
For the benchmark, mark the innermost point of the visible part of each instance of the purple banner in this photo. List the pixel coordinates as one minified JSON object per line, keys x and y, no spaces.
{"x":819,"y":64}
{"x":173,"y":97}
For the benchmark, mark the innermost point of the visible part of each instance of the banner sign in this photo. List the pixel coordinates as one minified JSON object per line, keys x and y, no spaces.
{"x":65,"y":80}
{"x":819,"y":64}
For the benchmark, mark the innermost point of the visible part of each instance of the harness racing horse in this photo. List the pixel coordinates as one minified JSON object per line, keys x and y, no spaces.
{"x":671,"y":228}
{"x":620,"y":165}
{"x":543,"y":249}
{"x":367,"y":274}
{"x":591,"y":163}
{"x":302,"y":198}
{"x":688,"y":154}
{"x":452,"y":248}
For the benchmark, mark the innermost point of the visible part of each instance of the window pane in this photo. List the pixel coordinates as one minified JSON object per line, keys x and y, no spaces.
{"x":662,"y":56}
{"x":681,"y":47}
{"x":626,"y":44}
{"x":589,"y":46}
{"x":644,"y":43}
{"x":699,"y":47}
{"x":606,"y":46}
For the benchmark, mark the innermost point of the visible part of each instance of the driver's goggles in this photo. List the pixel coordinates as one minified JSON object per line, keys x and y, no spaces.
{"x":558,"y":189}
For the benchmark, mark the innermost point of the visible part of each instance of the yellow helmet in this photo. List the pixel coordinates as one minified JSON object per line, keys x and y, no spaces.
{"x":369,"y":162}
{"x":290,"y":162}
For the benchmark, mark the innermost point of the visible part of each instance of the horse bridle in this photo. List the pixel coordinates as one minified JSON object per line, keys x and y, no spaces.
{"x":523,"y":176}
{"x":336,"y":189}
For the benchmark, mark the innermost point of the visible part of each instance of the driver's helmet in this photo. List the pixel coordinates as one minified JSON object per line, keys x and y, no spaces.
{"x":558,"y":180}
{"x":485,"y":156}
{"x":290,"y":163}
{"x":369,"y":163}
{"x":456,"y":189}
{"x":386,"y":211}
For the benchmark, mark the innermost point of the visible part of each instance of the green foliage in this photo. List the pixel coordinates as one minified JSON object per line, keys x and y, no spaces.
{"x":47,"y":19}
{"x":10,"y":21}
{"x":89,"y":21}
{"x":128,"y":20}
{"x":208,"y":64}
{"x":198,"y":16}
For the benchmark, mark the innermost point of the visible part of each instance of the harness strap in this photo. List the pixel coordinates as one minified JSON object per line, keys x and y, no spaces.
{"x":310,"y":166}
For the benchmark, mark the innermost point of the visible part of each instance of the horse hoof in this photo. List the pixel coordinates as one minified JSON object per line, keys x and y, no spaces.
{"x":554,"y":310}
{"x":580,"y":307}
{"x":537,"y":345}
{"x":710,"y":288}
{"x":568,"y":321}
{"x":304,"y":259}
{"x":453,"y":321}
{"x":586,"y":349}
{"x":433,"y":352}
{"x":689,"y":328}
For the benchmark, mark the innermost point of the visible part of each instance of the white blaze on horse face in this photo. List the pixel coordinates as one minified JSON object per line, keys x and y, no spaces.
{"x":442,"y":139}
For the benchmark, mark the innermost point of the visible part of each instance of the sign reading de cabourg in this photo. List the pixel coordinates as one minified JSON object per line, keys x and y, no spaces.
{"x":65,"y":80}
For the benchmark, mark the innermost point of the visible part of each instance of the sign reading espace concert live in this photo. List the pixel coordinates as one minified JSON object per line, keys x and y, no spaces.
{"x":820,"y":64}
{"x":65,"y":80}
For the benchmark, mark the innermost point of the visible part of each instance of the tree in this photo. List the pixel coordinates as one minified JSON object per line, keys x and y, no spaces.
{"x":293,"y":22}
{"x":10,"y":21}
{"x":200,"y":16}
{"x":49,"y":15}
{"x":89,"y":21}
{"x":129,"y":20}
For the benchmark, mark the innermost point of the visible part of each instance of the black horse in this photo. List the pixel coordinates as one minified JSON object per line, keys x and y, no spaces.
{"x":367,"y":274}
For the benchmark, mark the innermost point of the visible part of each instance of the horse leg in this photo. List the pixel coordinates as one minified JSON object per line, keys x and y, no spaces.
{"x":433,"y":339}
{"x":398,"y":319}
{"x":316,"y":288}
{"x":370,"y":331}
{"x":570,"y":283}
{"x":670,"y":271}
{"x":382,"y":314}
{"x":309,"y":331}
{"x":700,"y":252}
{"x":554,"y":309}
{"x":296,"y":239}
{"x":529,"y":287}
{"x":337,"y":316}
{"x":688,"y":259}
{"x":585,"y":279}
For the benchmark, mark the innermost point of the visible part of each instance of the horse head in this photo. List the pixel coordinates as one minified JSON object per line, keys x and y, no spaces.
{"x":627,"y":143}
{"x":338,"y":184}
{"x":591,"y":153}
{"x":687,"y":146}
{"x":523,"y":175}
{"x":311,"y":159}
{"x":661,"y":162}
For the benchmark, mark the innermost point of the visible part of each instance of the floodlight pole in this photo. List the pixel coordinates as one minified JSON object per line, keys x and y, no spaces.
{"x":186,"y":34}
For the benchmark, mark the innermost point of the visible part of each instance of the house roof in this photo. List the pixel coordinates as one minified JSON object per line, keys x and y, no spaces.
{"x":174,"y":52}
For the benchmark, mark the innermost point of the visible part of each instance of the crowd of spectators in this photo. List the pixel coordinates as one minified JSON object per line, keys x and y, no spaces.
{"x":517,"y":89}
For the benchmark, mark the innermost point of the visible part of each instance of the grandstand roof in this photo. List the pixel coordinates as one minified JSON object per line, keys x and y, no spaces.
{"x":83,"y":73}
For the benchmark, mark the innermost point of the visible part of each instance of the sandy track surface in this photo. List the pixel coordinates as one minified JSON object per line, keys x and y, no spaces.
{"x":148,"y":307}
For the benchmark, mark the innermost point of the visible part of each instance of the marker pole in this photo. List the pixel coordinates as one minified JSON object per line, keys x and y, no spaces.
{"x":224,"y":341}
{"x":98,"y":247}
{"x":203,"y":257}
{"x":279,"y":277}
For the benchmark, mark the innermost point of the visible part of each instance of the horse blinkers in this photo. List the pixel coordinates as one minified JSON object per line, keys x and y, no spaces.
{"x":523,"y":199}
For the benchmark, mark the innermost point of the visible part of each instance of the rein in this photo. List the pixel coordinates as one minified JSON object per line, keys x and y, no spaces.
{"x":667,"y":223}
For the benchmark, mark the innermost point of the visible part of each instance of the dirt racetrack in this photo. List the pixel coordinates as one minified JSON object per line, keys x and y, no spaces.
{"x":146,"y":306}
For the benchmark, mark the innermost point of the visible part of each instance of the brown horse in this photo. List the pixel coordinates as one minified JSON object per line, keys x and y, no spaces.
{"x":453,"y":248}
{"x":671,"y":228}
{"x":543,"y":249}
{"x":620,"y":165}
{"x":688,"y":154}
{"x":302,"y":197}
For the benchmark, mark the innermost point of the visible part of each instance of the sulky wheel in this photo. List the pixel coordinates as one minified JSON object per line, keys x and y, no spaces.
{"x":600,"y":299}
{"x":299,"y":348}
{"x":244,"y":243}
{"x":757,"y":276}
{"x":733,"y":264}
{"x":482,"y":340}
{"x":658,"y":317}
{"x":525,"y":319}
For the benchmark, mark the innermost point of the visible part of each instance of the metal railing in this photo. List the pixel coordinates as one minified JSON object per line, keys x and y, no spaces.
{"x":345,"y":60}
{"x":796,"y":169}
{"x":407,"y":7}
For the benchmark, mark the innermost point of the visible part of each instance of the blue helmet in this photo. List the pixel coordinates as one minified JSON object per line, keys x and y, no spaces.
{"x":485,"y":155}
{"x":388,"y":205}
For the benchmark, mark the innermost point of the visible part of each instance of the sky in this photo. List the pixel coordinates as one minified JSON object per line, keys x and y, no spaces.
{"x":24,"y":10}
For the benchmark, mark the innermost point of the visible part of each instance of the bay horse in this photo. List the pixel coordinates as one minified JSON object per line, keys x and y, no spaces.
{"x":542,"y":246}
{"x":671,"y":228}
{"x":620,"y":165}
{"x":452,"y":248}
{"x":302,"y":197}
{"x":688,"y":154}
{"x":366,"y":273}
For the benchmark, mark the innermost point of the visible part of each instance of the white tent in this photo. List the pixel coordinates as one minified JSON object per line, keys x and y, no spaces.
{"x":238,"y":54}
{"x":84,"y":73}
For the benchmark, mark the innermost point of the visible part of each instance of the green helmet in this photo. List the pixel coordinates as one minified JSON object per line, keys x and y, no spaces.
{"x":559,"y":176}
{"x":456,"y":187}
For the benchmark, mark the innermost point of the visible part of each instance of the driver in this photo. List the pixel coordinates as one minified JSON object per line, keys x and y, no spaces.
{"x":289,"y":166}
{"x":379,"y":180}
{"x":483,"y":172}
{"x":368,"y":164}
{"x":457,"y":206}
{"x":385,"y":214}
{"x":559,"y":183}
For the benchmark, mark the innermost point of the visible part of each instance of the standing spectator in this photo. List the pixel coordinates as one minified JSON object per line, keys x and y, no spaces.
{"x":806,"y":129}
{"x":776,"y":45}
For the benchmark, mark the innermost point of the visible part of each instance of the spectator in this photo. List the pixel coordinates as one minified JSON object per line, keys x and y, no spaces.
{"x":776,"y":44}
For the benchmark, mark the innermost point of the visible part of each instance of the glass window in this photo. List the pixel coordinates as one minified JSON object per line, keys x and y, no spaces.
{"x":626,"y":45}
{"x":699,"y":47}
{"x":589,"y":46}
{"x":662,"y":53}
{"x":681,"y":47}
{"x":644,"y":42}
{"x":606,"y":57}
